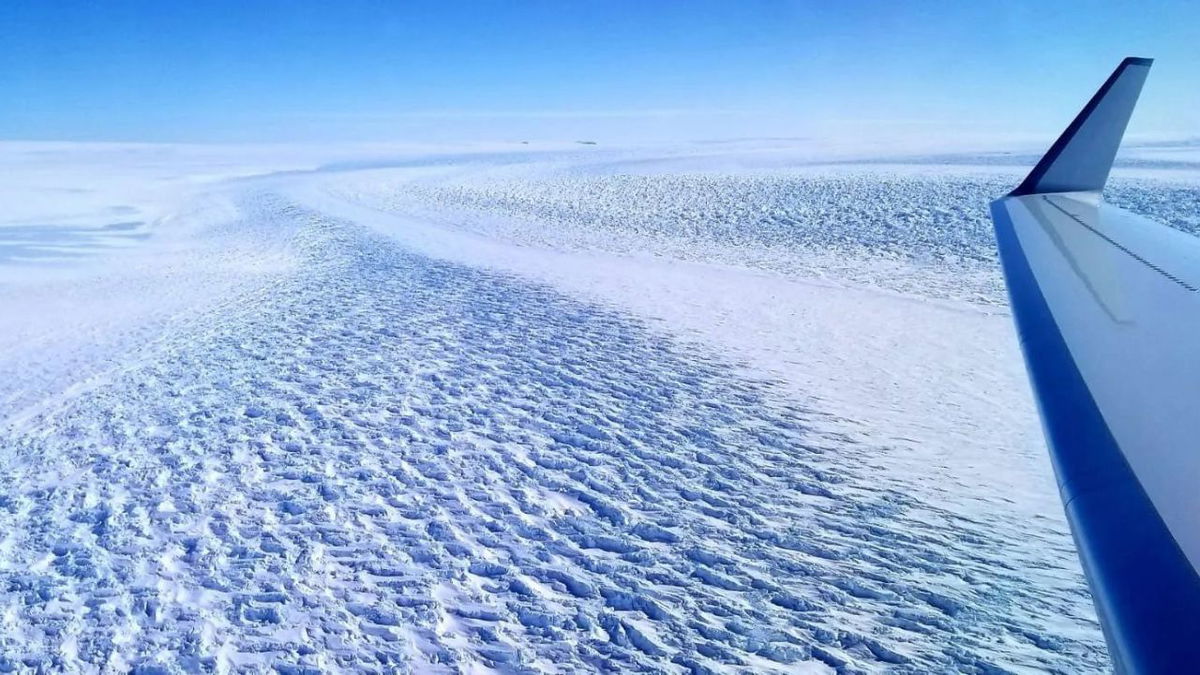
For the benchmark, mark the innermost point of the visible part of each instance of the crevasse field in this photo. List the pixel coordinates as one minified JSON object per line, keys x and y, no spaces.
{"x":709,"y":408}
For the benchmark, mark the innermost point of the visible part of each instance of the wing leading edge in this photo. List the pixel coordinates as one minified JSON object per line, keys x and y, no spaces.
{"x":1107,"y":309}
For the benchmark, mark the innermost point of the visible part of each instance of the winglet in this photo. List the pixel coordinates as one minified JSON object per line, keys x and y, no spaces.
{"x":1079,"y":161}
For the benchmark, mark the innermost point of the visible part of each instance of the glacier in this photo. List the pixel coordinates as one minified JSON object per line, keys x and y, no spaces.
{"x":508,"y":409}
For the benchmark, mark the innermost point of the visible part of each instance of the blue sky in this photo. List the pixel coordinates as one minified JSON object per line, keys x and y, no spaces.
{"x":302,"y":70}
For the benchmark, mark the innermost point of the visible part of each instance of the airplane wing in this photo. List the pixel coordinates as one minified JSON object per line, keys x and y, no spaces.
{"x":1107,"y":309}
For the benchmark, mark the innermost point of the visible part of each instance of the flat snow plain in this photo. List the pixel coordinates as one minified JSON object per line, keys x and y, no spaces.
{"x":703,"y":409}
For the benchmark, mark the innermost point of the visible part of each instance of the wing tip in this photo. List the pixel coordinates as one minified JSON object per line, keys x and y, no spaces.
{"x":1088,"y":172}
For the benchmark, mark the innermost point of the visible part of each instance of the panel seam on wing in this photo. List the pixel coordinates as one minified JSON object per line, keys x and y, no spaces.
{"x":1120,"y":247}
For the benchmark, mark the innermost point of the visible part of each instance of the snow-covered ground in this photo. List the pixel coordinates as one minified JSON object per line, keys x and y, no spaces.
{"x":526,"y":409}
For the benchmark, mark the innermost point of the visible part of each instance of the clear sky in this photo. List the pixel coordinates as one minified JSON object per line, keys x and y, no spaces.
{"x":308,"y":70}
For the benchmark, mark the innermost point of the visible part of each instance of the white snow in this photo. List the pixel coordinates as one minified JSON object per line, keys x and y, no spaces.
{"x":530,"y":409}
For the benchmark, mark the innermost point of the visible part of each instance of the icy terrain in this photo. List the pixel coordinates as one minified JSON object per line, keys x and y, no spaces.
{"x":525,"y":411}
